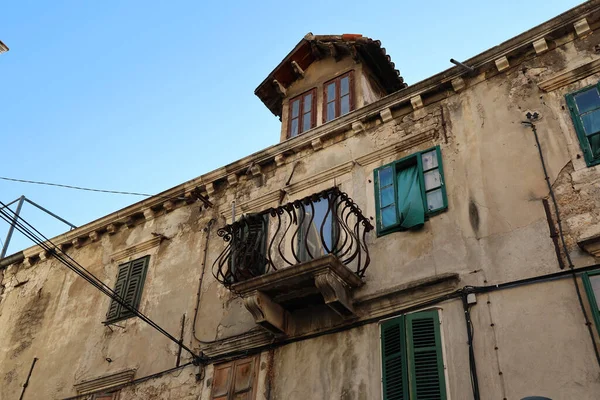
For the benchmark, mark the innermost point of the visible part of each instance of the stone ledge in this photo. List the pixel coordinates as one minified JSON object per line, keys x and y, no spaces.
{"x":571,"y":76}
{"x":376,"y":305}
{"x":591,"y":242}
{"x":137,"y":248}
{"x":409,"y":286}
{"x":271,"y":297}
{"x":105,"y":382}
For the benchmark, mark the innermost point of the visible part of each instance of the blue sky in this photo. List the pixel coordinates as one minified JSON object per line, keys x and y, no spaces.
{"x":141,"y":96}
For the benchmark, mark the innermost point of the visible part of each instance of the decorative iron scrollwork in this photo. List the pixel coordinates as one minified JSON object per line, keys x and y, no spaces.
{"x":328,"y":222}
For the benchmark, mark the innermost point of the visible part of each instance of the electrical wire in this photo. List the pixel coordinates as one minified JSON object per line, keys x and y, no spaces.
{"x":88,"y":189}
{"x":32,"y":233}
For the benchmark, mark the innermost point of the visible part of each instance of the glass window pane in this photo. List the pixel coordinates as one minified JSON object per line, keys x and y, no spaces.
{"x":345,"y":109}
{"x":595,"y":281}
{"x":331,"y":91}
{"x":306,"y":122}
{"x":330,"y":111}
{"x":307,"y":102}
{"x":429,"y":160}
{"x":432,"y":179}
{"x":387,"y":196}
{"x":294,"y":131}
{"x":588,"y":100}
{"x":385,"y":177}
{"x":591,"y":122}
{"x":435,"y":200}
{"x":388,"y":216}
{"x":295,"y":108}
{"x":345,"y":86}
{"x":311,"y":240}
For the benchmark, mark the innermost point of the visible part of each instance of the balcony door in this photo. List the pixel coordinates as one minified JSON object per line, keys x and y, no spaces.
{"x":311,"y":244}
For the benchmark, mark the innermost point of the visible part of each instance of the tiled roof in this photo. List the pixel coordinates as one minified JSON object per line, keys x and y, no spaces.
{"x":314,"y":47}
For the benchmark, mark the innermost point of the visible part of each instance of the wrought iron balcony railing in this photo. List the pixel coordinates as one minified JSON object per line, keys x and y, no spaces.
{"x":324,"y":223}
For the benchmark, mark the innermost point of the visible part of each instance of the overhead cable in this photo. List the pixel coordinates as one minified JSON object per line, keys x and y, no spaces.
{"x":38,"y":238}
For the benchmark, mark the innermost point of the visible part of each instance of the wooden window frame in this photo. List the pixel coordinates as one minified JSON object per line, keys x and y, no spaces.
{"x":123,"y":313}
{"x":230,"y":385}
{"x":587,"y":284}
{"x":584,"y":143}
{"x":413,"y":159}
{"x":405,"y":355}
{"x":313,"y":110}
{"x":113,"y":395}
{"x":338,"y":101}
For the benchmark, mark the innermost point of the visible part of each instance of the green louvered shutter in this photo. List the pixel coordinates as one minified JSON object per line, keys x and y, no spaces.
{"x":425,"y":354}
{"x":393,"y":345}
{"x":122,"y":276}
{"x":135,"y":283}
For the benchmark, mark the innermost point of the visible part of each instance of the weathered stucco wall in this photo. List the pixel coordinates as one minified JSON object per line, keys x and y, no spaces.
{"x":57,"y":316}
{"x":529,"y":340}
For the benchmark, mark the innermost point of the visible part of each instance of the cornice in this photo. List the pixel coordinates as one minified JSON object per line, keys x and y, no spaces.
{"x":571,"y":76}
{"x":105,"y":382}
{"x":137,"y":248}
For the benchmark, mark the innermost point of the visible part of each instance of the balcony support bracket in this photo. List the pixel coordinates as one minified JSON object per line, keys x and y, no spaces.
{"x":335,"y":293}
{"x":266,"y":312}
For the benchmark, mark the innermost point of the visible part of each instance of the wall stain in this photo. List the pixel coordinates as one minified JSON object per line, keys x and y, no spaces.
{"x":28,"y":322}
{"x":474,"y":216}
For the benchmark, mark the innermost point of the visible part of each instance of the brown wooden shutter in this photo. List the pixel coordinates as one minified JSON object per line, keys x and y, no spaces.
{"x":235,"y":380}
{"x":222,"y":381}
{"x":244,"y":379}
{"x":122,"y":276}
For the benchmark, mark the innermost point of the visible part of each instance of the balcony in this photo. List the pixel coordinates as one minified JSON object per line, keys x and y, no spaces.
{"x":310,"y":251}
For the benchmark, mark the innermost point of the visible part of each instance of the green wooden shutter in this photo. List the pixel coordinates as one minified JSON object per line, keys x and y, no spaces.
{"x":122,"y":277}
{"x":393,"y":345}
{"x":135,"y":283}
{"x":425,"y":356}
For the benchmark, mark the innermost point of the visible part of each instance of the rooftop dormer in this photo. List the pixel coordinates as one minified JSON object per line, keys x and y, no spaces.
{"x":325,"y":77}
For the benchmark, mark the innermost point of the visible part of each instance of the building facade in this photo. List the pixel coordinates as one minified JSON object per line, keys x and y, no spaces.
{"x":432,"y":241}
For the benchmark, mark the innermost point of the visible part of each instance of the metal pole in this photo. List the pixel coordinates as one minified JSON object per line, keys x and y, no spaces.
{"x":463,"y":66}
{"x":28,"y":376}
{"x":12,"y":228}
{"x":14,"y":201}
{"x":51,"y":213}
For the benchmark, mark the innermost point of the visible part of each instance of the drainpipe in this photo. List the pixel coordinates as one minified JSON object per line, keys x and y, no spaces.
{"x":13,"y":259}
{"x":28,"y":376}
{"x":199,"y":292}
{"x":534,"y":117}
{"x":470,"y":331}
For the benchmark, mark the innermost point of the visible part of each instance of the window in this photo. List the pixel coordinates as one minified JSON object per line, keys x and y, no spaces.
{"x":338,"y":98}
{"x":591,"y":282}
{"x":249,"y":248}
{"x":413,"y":368}
{"x":302,"y":113}
{"x":130,"y":281}
{"x":235,"y":380}
{"x":584,"y":106}
{"x":409,"y":190}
